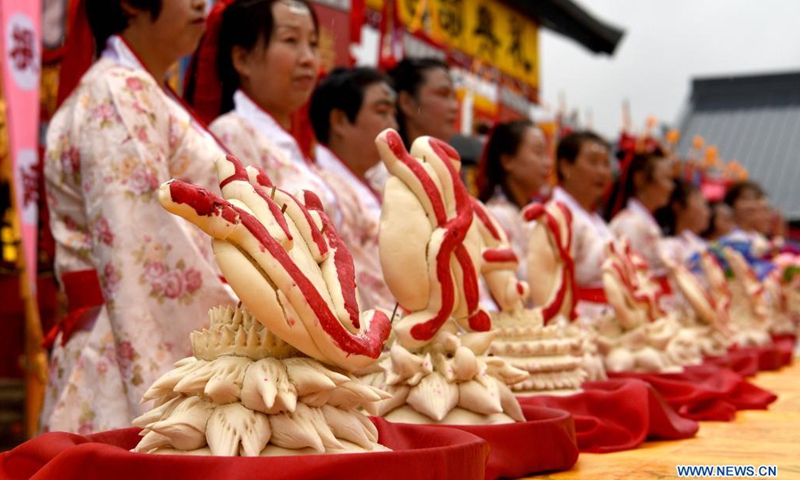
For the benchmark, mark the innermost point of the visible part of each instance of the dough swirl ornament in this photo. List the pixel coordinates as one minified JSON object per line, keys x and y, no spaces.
{"x":271,"y":377}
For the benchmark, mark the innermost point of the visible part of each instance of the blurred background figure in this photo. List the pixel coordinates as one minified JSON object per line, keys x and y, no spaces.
{"x":720,"y":221}
{"x":683,"y":220}
{"x":583,"y":168}
{"x":349,"y":108}
{"x":514,"y":170}
{"x":644,"y":186}
{"x":137,"y":280}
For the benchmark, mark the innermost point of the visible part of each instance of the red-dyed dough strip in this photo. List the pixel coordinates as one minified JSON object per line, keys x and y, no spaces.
{"x":369,"y":343}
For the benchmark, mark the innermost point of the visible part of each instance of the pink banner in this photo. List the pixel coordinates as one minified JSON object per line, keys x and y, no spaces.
{"x":20,"y":37}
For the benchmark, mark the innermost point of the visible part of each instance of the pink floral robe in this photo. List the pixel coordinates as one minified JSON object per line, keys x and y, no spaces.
{"x":109,"y":147}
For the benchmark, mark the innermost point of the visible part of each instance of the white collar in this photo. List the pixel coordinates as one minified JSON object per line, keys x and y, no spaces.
{"x":600,"y":226}
{"x":635,"y":206}
{"x":327,"y":160}
{"x":265,"y":123}
{"x":118,"y":51}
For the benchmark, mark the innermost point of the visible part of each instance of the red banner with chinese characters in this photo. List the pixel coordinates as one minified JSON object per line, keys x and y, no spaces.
{"x":20,"y":34}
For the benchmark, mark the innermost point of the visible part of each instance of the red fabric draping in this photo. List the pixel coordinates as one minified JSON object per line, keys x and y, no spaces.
{"x":618,"y":414}
{"x":420,"y":452}
{"x":785,"y":345}
{"x":705,"y":392}
{"x":545,"y":442}
{"x":743,"y":362}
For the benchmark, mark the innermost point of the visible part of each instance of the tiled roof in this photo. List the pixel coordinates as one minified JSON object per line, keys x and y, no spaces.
{"x":755,"y":120}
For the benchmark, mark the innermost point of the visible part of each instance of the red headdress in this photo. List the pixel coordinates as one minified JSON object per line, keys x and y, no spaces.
{"x":78,"y":50}
{"x":202,"y":84}
{"x":627,"y":148}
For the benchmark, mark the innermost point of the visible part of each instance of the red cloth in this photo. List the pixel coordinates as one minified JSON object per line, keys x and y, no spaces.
{"x":769,"y":357}
{"x":705,"y":392}
{"x":743,"y":362}
{"x":418,"y":452}
{"x":618,"y":414}
{"x":785,"y":345}
{"x":545,"y":442}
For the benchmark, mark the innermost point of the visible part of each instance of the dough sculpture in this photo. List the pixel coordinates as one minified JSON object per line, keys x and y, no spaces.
{"x":706,"y":310}
{"x":551,"y":354}
{"x":783,"y":285}
{"x":749,"y":309}
{"x":640,"y":336}
{"x":431,"y":254}
{"x":551,"y":274}
{"x":270,"y":377}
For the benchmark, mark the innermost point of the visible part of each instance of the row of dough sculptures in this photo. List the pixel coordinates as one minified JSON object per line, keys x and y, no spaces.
{"x":297,"y":365}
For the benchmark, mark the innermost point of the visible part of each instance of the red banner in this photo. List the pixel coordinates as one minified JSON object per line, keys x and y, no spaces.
{"x":20,"y":34}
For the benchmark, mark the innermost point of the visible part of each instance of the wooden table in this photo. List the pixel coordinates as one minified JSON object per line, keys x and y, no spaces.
{"x":756,"y":437}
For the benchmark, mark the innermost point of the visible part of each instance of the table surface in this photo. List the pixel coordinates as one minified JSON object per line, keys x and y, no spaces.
{"x":756,"y":437}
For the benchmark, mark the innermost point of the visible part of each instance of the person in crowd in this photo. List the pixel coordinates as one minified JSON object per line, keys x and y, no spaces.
{"x":348,"y":110}
{"x":720,"y":222}
{"x":137,"y":280}
{"x":747,"y":201}
{"x":264,"y":54}
{"x":426,"y":105}
{"x":644,"y":186}
{"x":683,"y":220}
{"x":583,"y":169}
{"x":515,"y":169}
{"x":426,"y":99}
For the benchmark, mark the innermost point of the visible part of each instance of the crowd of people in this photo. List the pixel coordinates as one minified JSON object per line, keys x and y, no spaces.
{"x":137,"y":280}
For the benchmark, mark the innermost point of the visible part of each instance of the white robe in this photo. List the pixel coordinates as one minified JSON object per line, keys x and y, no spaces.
{"x":637,"y":224}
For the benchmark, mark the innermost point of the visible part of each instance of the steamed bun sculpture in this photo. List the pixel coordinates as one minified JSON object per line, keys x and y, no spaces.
{"x":271,"y":377}
{"x":640,"y":336}
{"x":431,"y":254}
{"x":551,"y":353}
{"x":706,"y":310}
{"x":783,"y":285}
{"x":551,"y":274}
{"x":749,"y":310}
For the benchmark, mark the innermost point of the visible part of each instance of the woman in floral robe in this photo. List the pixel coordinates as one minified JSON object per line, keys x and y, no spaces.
{"x":109,"y":147}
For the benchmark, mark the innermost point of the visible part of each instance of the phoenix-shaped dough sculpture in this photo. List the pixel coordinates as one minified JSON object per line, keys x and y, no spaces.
{"x":749,"y":308}
{"x":271,"y":377}
{"x":432,"y":255}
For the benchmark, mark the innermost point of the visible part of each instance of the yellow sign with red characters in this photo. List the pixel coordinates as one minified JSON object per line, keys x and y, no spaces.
{"x":486,"y":30}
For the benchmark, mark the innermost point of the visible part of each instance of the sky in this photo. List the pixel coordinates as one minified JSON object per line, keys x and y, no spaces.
{"x":666,"y":44}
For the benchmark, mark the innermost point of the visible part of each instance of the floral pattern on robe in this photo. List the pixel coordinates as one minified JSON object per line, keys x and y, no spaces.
{"x":109,"y":147}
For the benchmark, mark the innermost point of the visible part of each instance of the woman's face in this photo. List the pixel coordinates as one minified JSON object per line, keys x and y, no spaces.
{"x":697,"y":213}
{"x":281,"y":76}
{"x":723,"y":220}
{"x":530,"y":167}
{"x":435,"y":109}
{"x":590,"y":175}
{"x":178,"y":28}
{"x":658,"y":188}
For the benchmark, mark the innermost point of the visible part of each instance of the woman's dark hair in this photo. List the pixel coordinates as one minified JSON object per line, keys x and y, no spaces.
{"x":244,"y":24}
{"x":666,"y":216}
{"x":741,"y":189}
{"x":569,"y":148}
{"x":408,"y":76}
{"x":107,"y":17}
{"x":624,"y":187}
{"x":504,"y":139}
{"x":712,"y":220}
{"x":343,"y":89}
